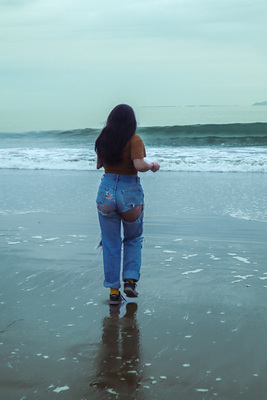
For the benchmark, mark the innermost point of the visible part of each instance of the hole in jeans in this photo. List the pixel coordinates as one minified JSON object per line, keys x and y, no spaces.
{"x":133,"y":214}
{"x":103,"y":209}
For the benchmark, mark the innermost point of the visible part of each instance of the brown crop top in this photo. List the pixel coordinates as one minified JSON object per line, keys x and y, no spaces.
{"x":134,"y":149}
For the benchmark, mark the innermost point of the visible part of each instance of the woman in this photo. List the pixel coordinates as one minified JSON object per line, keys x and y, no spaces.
{"x":120,"y":199}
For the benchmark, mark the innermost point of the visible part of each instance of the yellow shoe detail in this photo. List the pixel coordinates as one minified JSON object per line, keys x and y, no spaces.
{"x":114,"y":291}
{"x":130,"y":280}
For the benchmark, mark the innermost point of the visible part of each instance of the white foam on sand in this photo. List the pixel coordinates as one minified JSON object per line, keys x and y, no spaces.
{"x":30,"y":277}
{"x":78,"y":236}
{"x":242,"y":259}
{"x":186,"y":256}
{"x":244,"y":277}
{"x":147,"y":312}
{"x":212,"y":257}
{"x":169,"y":259}
{"x":192,"y":272}
{"x":111,"y":391}
{"x":238,"y":258}
{"x":61,"y":389}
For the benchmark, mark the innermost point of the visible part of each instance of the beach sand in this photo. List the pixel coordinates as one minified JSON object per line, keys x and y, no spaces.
{"x":196,"y":331}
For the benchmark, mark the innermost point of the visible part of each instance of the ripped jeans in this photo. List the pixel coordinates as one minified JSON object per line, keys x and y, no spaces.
{"x":117,"y":194}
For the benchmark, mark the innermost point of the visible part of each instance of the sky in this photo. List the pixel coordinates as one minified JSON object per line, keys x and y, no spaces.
{"x":67,"y":63}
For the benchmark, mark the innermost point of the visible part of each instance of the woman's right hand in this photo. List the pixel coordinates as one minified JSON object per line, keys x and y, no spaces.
{"x":155,"y":166}
{"x":142,"y":165}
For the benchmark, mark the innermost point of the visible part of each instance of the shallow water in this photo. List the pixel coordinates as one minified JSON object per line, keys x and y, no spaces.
{"x":198,"y":328}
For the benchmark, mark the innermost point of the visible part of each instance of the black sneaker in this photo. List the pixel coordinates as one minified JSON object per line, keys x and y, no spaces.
{"x":115,"y":299}
{"x":130,"y":289}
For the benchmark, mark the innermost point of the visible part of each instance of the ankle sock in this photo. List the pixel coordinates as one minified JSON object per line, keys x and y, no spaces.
{"x":130,"y":280}
{"x":114,"y":291}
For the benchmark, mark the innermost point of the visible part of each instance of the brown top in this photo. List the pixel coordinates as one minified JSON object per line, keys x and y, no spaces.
{"x":134,"y":149}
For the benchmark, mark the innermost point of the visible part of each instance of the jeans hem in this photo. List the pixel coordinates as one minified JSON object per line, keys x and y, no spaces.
{"x":115,"y":285}
{"x":131,"y":275}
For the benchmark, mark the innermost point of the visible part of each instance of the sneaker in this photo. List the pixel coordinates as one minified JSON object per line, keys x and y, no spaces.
{"x":115,"y":299}
{"x":130,"y":289}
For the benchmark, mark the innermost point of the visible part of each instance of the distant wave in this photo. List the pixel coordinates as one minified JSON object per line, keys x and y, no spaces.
{"x":233,"y":135}
{"x":254,"y":134}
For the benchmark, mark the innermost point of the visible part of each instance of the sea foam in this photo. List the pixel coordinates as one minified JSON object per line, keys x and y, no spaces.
{"x":182,"y":159}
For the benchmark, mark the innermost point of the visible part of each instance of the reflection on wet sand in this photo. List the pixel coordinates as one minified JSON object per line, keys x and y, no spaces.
{"x":118,"y":366}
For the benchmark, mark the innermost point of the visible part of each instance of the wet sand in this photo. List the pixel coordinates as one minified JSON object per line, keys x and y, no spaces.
{"x":198,"y":327}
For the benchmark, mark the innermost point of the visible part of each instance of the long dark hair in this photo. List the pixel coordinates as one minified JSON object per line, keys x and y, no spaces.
{"x":120,"y":127}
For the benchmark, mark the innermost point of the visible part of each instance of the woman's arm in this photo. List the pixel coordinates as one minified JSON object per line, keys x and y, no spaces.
{"x":142,"y":166}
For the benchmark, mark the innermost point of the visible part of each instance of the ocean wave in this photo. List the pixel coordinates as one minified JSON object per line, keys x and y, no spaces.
{"x":208,"y":159}
{"x":191,"y":159}
{"x":228,"y":135}
{"x":48,"y":159}
{"x":248,"y":215}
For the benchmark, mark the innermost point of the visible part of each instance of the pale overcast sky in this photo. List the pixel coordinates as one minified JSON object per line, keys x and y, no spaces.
{"x":67,"y":63}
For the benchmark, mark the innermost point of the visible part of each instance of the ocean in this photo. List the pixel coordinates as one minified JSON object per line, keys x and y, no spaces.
{"x":182,"y":139}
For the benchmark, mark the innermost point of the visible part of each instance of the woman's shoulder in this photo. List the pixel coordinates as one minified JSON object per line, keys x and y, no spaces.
{"x":135,"y":138}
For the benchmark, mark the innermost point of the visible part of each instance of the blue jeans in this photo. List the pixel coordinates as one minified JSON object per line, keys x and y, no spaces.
{"x":116,"y":194}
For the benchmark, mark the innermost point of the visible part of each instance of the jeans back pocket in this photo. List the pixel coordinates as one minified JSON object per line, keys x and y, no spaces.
{"x":133,"y":197}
